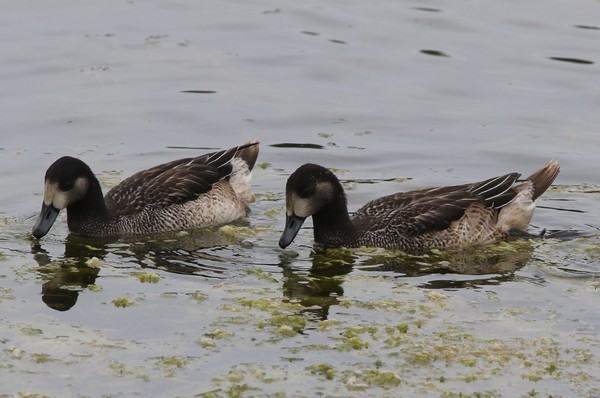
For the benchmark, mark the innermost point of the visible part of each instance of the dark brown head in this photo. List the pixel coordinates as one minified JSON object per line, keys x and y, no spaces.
{"x":67,"y":181}
{"x":309,"y":190}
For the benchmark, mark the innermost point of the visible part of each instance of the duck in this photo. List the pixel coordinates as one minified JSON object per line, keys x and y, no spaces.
{"x":434,"y":218}
{"x":188,"y":193}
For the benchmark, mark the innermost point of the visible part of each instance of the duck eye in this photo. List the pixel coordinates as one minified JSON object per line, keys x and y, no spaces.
{"x":66,"y":186}
{"x":306,"y":192}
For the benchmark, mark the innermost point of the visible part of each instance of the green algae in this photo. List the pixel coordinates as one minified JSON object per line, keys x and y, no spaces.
{"x":532,"y":376}
{"x":29,"y":330}
{"x":219,"y":334}
{"x":271,"y":304}
{"x":470,"y":362}
{"x":94,"y":288}
{"x":579,"y":188}
{"x":269,"y":196}
{"x":6,"y":292}
{"x":288,"y":325}
{"x":4,"y":222}
{"x":381,"y":378}
{"x":31,"y":395}
{"x":207,"y":343}
{"x":362,"y":380}
{"x":170,"y":364}
{"x":42,"y":358}
{"x":380,"y":334}
{"x":273,"y":212}
{"x":402,"y":328}
{"x":328,"y":324}
{"x":324,"y":369}
{"x":263,"y":165}
{"x":148,"y":277}
{"x":198,"y":296}
{"x":242,"y":232}
{"x":451,"y":357}
{"x":487,"y":357}
{"x":353,"y":343}
{"x":260,"y":274}
{"x":173,"y":361}
{"x":281,"y":319}
{"x":121,"y":369}
{"x":122,"y":302}
{"x":94,"y":262}
{"x":237,"y":382}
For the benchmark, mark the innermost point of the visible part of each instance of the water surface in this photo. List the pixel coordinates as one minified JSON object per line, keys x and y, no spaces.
{"x":394,"y":96}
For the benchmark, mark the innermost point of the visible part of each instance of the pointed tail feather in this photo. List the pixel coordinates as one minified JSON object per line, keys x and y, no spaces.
{"x":241,"y":174}
{"x":543,"y":178}
{"x":248,"y":152}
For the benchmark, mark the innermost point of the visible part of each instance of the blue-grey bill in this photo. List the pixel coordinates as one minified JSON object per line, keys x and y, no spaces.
{"x":292,"y":226}
{"x":45,"y":220}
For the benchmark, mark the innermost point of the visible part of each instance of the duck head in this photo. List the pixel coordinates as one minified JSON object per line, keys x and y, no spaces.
{"x":66,"y":182}
{"x":309,"y":190}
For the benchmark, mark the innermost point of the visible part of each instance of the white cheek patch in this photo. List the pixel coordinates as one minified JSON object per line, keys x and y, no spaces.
{"x":303,"y":207}
{"x":79,"y":190}
{"x":306,"y":207}
{"x":50,"y":191}
{"x":55,"y":197}
{"x":61,"y":199}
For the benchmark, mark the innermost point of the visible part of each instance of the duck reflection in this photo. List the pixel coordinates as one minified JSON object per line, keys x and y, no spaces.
{"x":66,"y":276}
{"x":316,"y":285}
{"x":319,"y":287}
{"x":470,"y":267}
{"x":465,"y":268}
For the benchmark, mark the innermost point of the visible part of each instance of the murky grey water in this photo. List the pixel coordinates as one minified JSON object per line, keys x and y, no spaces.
{"x":396,"y":96}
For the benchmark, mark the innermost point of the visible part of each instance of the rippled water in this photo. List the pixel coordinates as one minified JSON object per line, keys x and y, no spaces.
{"x":394,"y":96}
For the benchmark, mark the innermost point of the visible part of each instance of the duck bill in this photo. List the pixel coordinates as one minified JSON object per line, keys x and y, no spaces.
{"x":45,"y":220}
{"x":292,"y":226}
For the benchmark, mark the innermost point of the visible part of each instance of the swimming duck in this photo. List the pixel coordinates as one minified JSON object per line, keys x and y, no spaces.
{"x":187,"y":193}
{"x":444,"y":217}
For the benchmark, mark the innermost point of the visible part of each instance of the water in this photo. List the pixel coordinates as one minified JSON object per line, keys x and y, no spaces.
{"x":395,"y":96}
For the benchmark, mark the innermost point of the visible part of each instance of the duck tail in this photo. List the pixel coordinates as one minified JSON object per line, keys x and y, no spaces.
{"x":543,"y":178}
{"x":241,"y":170}
{"x":248,"y":152}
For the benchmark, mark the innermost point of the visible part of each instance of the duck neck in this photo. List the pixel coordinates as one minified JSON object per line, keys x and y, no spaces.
{"x":333,"y":226}
{"x":89,"y":213}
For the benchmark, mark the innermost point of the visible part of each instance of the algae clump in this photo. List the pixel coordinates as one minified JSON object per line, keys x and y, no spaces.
{"x":149,"y":277}
{"x":122,"y":302}
{"x":323,"y":369}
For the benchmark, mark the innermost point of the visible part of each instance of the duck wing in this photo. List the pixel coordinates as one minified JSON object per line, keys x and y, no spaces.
{"x":170,"y":183}
{"x":418,"y":212}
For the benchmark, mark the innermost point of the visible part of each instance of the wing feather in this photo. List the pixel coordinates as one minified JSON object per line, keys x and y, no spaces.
{"x":175,"y":182}
{"x":418,"y":212}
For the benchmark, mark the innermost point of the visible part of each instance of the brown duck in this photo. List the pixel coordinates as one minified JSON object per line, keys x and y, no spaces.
{"x":187,"y":193}
{"x":444,"y":217}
